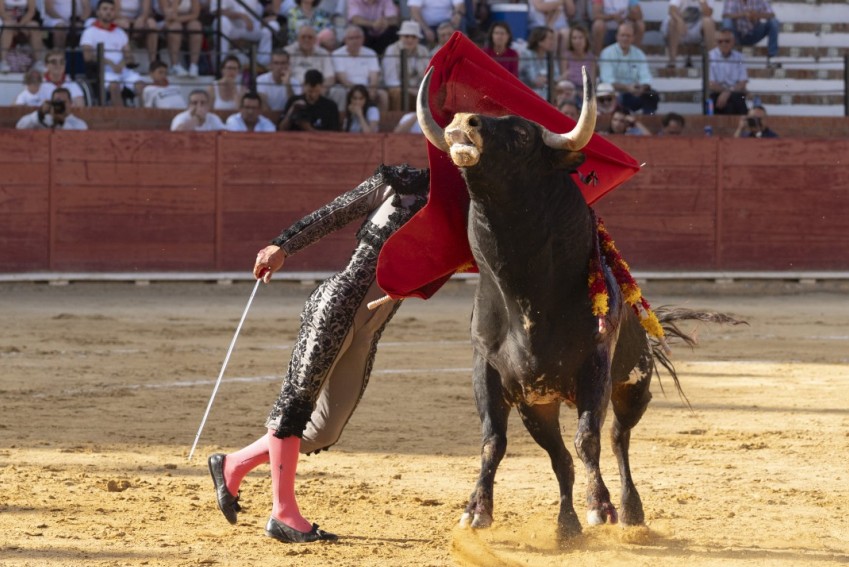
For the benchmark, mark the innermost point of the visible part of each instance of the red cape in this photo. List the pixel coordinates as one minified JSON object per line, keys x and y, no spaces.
{"x":433,"y":245}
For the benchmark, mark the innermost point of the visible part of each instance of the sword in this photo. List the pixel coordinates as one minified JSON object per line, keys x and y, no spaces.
{"x":223,"y":366}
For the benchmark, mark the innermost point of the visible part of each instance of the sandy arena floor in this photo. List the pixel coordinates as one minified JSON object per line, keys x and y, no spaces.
{"x":103,"y":386}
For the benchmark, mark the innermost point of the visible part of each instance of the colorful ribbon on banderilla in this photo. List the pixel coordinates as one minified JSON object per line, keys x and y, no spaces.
{"x":631,"y":293}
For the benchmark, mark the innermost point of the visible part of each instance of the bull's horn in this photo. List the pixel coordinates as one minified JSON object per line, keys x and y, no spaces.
{"x":432,"y":131}
{"x":583,"y":130}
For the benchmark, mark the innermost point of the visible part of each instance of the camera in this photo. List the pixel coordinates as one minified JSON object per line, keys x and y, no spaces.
{"x":58,"y":106}
{"x":753,"y":122}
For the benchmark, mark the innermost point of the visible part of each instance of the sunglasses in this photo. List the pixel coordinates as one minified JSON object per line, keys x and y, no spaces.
{"x":605,"y":99}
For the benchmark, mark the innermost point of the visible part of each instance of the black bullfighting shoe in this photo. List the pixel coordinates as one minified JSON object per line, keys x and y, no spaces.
{"x":227,"y":503}
{"x":281,"y":532}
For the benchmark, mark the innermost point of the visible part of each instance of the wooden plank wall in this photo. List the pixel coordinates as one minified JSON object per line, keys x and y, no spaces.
{"x":155,"y":201}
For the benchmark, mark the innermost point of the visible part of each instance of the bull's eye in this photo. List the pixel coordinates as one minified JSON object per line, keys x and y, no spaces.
{"x":474,"y":122}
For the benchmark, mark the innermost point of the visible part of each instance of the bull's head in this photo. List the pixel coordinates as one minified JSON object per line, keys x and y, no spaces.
{"x":469,"y":135}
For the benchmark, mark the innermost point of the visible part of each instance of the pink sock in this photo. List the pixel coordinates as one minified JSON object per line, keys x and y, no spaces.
{"x":243,"y":461}
{"x":284,"y":464}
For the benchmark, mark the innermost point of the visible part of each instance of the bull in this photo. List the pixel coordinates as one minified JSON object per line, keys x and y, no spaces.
{"x":535,"y":339}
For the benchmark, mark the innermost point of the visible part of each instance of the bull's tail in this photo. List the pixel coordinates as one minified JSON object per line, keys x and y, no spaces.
{"x":669,"y":318}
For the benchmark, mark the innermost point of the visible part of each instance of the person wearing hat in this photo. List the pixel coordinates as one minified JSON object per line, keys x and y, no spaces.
{"x":418,"y":58}
{"x":605,"y":97}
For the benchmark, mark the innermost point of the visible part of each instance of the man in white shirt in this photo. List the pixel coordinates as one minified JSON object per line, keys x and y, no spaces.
{"x":116,"y":52}
{"x":356,"y":64}
{"x":197,"y":118}
{"x":159,"y":93}
{"x":249,"y":119}
{"x":55,"y":77}
{"x":306,"y":54}
{"x":277,"y":86}
{"x":689,"y":22}
{"x":241,"y":22}
{"x":418,"y":58}
{"x":53,"y":114}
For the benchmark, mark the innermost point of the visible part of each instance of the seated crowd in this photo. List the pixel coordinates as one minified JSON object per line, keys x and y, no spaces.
{"x":358,"y":63}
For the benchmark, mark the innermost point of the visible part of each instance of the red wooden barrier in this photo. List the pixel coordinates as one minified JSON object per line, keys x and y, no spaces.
{"x":160,"y":201}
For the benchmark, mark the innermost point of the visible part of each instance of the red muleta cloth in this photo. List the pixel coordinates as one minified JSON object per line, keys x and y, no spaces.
{"x":425,"y":252}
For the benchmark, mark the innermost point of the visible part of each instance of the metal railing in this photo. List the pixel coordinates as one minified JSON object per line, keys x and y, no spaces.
{"x":73,"y":56}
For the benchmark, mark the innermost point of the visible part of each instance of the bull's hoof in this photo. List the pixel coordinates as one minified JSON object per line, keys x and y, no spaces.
{"x":476,"y":522}
{"x":633,"y":517}
{"x":568,"y":527}
{"x":602,"y":515}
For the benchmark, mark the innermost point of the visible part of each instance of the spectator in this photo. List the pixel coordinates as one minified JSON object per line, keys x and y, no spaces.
{"x":20,"y":13}
{"x":327,"y":40}
{"x":305,"y":54}
{"x":311,"y":111}
{"x":565,"y":91}
{"x":158,"y":93}
{"x":176,"y":17}
{"x":379,"y":20}
{"x":408,"y":124}
{"x":117,"y":74}
{"x":226,"y":92}
{"x":361,"y":114}
{"x":672,"y":124}
{"x":553,"y":14}
{"x":249,"y":119}
{"x":751,"y":21}
{"x":418,"y":58}
{"x":623,"y":122}
{"x":605,"y":98}
{"x":31,"y":95}
{"x":608,"y":15}
{"x":356,"y":64}
{"x":444,"y":31}
{"x":277,"y":86}
{"x":197,"y":118}
{"x":498,"y":46}
{"x":689,"y":22}
{"x":55,"y":77}
{"x":727,"y":76}
{"x":240,"y":19}
{"x":64,"y":14}
{"x":583,"y":15}
{"x":54,"y":114}
{"x":577,"y":56}
{"x":570,"y":109}
{"x":533,"y":65}
{"x":430,"y":13}
{"x":307,"y":12}
{"x":624,"y":66}
{"x":136,"y":18}
{"x":754,"y":125}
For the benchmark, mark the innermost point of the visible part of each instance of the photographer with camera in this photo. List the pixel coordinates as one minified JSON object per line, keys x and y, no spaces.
{"x":312,"y":110}
{"x":754,"y":125}
{"x":54,"y":114}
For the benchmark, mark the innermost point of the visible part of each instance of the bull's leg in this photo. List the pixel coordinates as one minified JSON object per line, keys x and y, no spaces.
{"x":543,"y":423}
{"x":493,"y":411}
{"x":630,"y":400}
{"x":593,"y":396}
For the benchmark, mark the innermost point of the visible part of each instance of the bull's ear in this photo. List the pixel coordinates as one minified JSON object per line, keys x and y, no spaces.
{"x":568,"y":160}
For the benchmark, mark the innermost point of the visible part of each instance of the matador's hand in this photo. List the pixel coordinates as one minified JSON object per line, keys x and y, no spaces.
{"x":268,"y":260}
